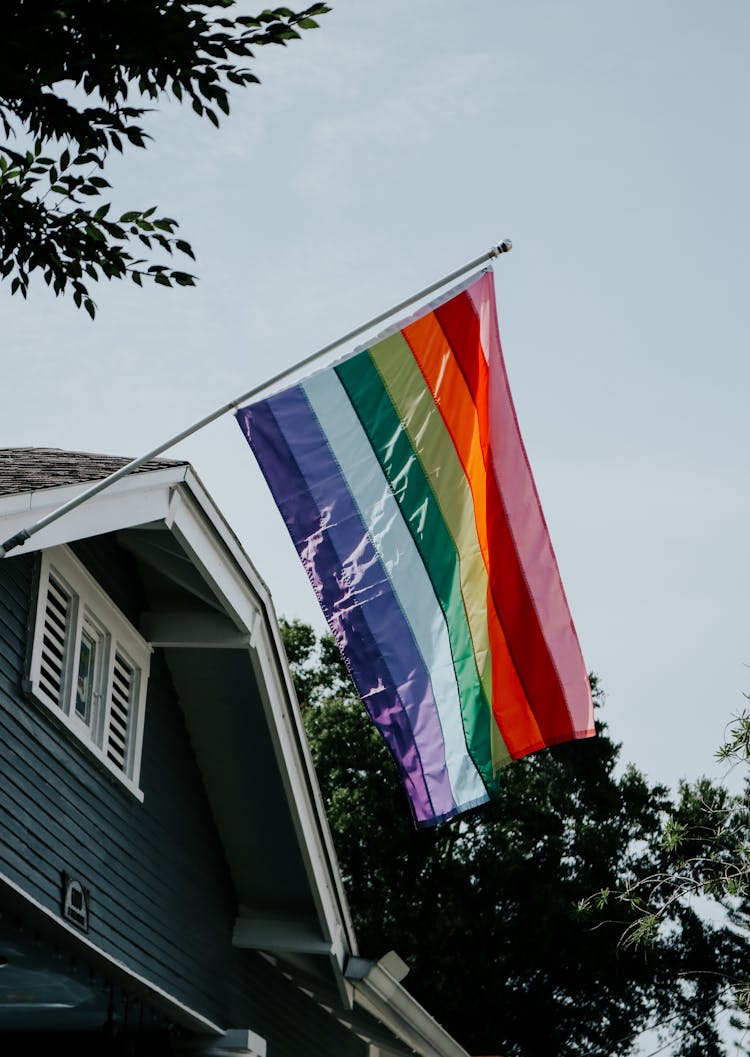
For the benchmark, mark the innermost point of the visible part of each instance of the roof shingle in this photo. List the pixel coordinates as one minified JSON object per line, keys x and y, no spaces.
{"x":29,"y":469}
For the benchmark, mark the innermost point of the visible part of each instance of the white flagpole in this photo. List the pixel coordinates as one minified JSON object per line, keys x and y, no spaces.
{"x":20,"y":537}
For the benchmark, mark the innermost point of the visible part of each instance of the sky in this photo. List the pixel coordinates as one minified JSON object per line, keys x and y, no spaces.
{"x":387,"y":149}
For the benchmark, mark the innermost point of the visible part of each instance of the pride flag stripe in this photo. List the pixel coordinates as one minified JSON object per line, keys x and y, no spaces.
{"x":527,"y":525}
{"x":358,"y":601}
{"x":446,"y":346}
{"x":391,"y":446}
{"x":399,"y":556}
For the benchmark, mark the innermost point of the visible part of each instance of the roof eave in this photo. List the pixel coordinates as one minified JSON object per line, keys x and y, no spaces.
{"x":135,"y":500}
{"x":378,"y":991}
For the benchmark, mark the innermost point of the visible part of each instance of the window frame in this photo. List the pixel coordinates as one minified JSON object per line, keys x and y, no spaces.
{"x":115,"y":639}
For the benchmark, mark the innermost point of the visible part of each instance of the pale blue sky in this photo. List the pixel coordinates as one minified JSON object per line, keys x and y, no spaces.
{"x":610,"y":142}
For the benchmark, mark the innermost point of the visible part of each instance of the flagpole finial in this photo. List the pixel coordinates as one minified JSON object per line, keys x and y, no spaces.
{"x":505,"y":247}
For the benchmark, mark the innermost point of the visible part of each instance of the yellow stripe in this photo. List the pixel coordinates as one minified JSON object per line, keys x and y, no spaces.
{"x":428,"y":436}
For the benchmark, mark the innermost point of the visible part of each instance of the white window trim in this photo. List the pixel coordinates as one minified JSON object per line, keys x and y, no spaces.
{"x":114,"y":634}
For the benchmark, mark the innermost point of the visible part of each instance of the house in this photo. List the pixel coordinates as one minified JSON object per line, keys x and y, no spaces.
{"x":168,"y":883}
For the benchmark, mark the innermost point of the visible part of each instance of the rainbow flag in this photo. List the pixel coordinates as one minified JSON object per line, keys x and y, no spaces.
{"x":403,"y":481}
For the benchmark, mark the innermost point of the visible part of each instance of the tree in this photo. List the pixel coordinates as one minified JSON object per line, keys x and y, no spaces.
{"x":76,"y":78}
{"x":489,"y":910}
{"x":706,"y":856}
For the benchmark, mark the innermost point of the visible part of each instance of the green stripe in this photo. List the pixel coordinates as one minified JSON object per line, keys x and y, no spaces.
{"x":438,"y":551}
{"x":433,"y":444}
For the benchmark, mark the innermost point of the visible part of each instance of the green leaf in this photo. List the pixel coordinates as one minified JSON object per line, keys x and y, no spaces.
{"x":90,"y":307}
{"x":136,"y":137}
{"x":162,"y":280}
{"x":185,"y":247}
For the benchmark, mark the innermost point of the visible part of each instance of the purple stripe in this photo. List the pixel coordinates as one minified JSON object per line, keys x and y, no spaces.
{"x":354,"y":591}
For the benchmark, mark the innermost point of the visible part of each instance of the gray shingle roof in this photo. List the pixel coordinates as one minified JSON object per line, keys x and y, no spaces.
{"x":29,"y":469}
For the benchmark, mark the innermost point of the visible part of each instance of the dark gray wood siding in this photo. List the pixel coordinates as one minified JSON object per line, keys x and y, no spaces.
{"x":275,"y":1008}
{"x":161,"y":898}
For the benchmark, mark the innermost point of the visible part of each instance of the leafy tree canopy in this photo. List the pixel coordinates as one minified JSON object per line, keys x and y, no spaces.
{"x":490,"y":910}
{"x":707,"y":857}
{"x":76,"y":79}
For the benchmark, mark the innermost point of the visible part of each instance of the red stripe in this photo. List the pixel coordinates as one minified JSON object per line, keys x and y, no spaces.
{"x":515,"y":605}
{"x":526,"y":520}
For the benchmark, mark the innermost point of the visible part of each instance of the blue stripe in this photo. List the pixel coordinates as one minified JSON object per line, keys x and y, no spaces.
{"x":404,"y":567}
{"x":353,"y":591}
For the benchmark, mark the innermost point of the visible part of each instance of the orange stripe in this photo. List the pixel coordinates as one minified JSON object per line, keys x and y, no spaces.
{"x":446,"y":382}
{"x":526,"y":636}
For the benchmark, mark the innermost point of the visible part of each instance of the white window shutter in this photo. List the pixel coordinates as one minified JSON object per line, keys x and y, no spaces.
{"x":120,"y":707}
{"x":54,"y":641}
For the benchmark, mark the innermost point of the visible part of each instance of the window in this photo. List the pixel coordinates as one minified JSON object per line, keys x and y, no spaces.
{"x":89,"y":665}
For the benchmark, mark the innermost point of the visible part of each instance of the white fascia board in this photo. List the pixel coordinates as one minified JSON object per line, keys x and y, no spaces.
{"x":209,"y":553}
{"x":285,"y":688}
{"x":136,"y":499}
{"x":219,"y":556}
{"x":237,"y":1042}
{"x":301,"y":787}
{"x":278,"y":677}
{"x":229,"y":539}
{"x":283,"y":682}
{"x":382,"y":996}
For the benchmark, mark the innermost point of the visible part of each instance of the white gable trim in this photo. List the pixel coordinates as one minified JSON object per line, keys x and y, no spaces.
{"x":269,"y":649}
{"x":134,"y":500}
{"x":378,"y":990}
{"x":255,"y":615}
